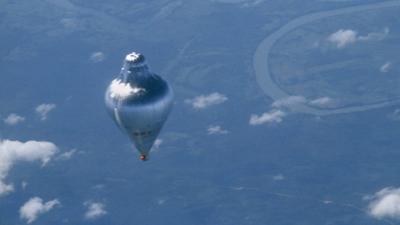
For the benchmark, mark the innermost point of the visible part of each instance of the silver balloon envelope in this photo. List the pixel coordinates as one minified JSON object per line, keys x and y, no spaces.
{"x":139,"y":102}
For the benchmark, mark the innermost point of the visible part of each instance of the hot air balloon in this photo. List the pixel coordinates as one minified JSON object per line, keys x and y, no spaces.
{"x":139,"y":102}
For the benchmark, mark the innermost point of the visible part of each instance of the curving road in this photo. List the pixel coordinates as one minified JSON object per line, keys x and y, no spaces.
{"x":261,"y":61}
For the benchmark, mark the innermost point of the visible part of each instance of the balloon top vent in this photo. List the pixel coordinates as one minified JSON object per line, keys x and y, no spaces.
{"x":135,"y":57}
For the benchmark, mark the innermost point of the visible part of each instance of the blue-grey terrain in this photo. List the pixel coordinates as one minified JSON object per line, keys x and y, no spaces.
{"x":286,"y":112}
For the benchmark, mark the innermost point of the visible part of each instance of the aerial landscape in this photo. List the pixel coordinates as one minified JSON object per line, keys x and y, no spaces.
{"x":282,"y":112}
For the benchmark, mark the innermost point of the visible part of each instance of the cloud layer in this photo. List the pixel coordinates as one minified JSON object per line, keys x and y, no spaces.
{"x":67,"y":155}
{"x":204,"y":101}
{"x":385,"y":67}
{"x":97,"y":57}
{"x":386,"y":204}
{"x":289,"y":102}
{"x":216,"y":130}
{"x":278,"y":177}
{"x":156,"y":145}
{"x":343,"y":38}
{"x":94,"y":210}
{"x":274,"y":116}
{"x":35,"y":207}
{"x":15,"y":151}
{"x":322,"y":102}
{"x":13,"y":119}
{"x":44,"y":109}
{"x":281,"y":107}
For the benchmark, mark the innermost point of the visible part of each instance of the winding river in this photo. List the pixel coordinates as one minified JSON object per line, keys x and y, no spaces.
{"x":262,"y":70}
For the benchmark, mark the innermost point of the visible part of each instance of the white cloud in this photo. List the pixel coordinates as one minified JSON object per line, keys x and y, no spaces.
{"x":24,"y":184}
{"x":281,"y":106}
{"x":245,"y":3}
{"x":94,"y":210}
{"x":161,"y":201}
{"x":122,"y":90}
{"x":289,"y":101}
{"x":385,"y":67}
{"x":385,"y":204}
{"x":97,"y":57}
{"x":342,"y":38}
{"x":278,"y":177}
{"x":5,"y":188}
{"x":204,"y":101}
{"x":322,"y":102}
{"x":216,"y":130}
{"x":375,"y":36}
{"x":156,"y":145}
{"x":230,"y":1}
{"x":43,"y":109}
{"x":253,"y":3}
{"x":293,"y":101}
{"x":67,"y":155}
{"x":274,"y":116}
{"x":35,"y":207}
{"x":15,"y":151}
{"x":13,"y":119}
